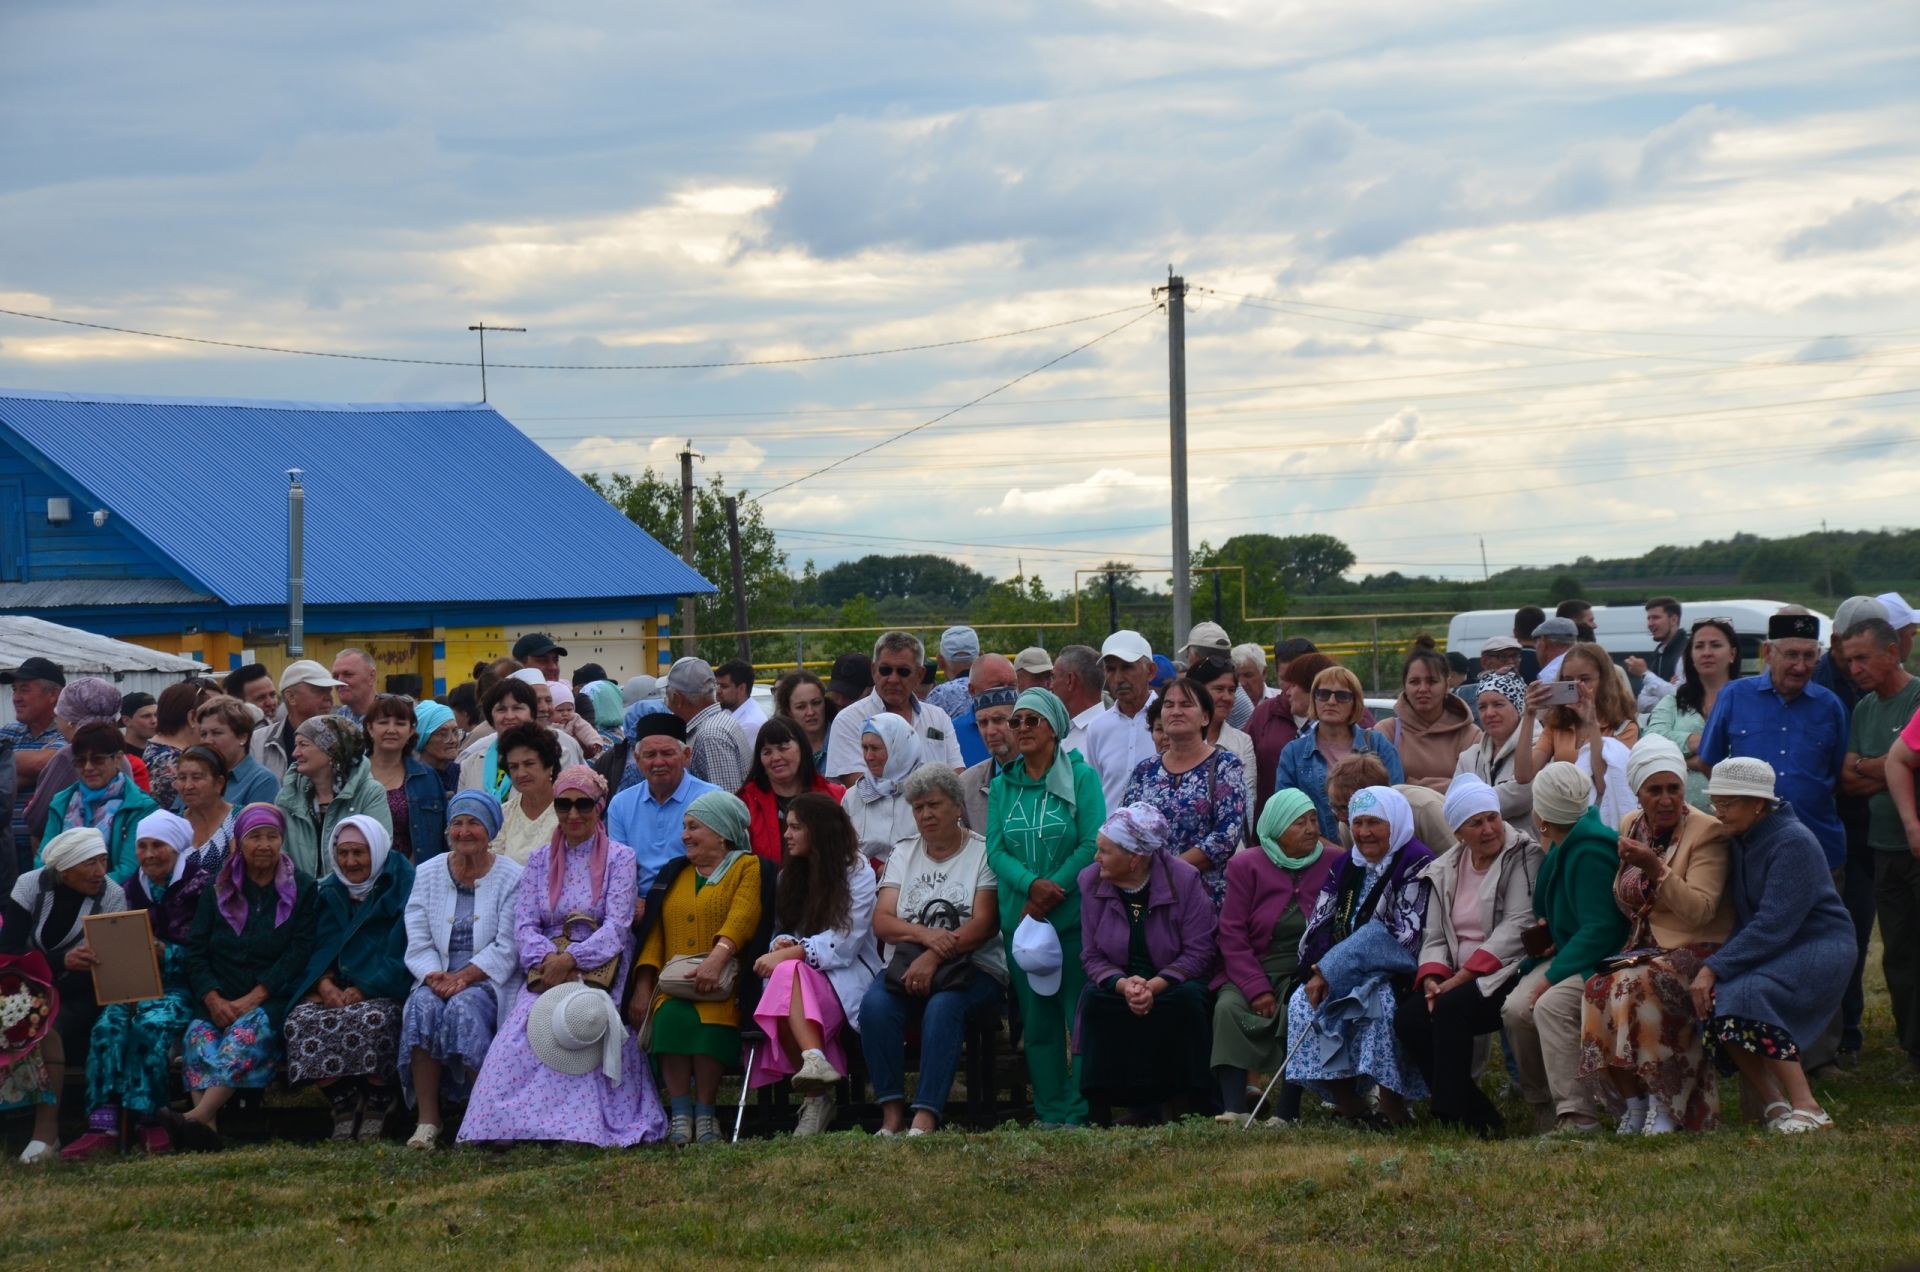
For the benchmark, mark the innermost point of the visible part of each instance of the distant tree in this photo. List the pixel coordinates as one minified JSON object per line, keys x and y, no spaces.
{"x":1836,"y":583}
{"x":1565,"y":588}
{"x":935,"y":582}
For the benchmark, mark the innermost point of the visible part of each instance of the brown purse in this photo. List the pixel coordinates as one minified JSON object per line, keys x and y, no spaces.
{"x":601,"y":977}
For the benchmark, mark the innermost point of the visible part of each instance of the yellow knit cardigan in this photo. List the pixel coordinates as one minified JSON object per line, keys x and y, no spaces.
{"x":690,"y":922}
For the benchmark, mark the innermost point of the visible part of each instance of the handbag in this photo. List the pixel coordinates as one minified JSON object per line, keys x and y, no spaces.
{"x":601,"y":977}
{"x":955,"y":973}
{"x":676,"y":979}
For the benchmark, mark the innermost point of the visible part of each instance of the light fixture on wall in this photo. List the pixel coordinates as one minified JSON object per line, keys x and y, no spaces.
{"x":99,"y":518}
{"x":59,"y":511}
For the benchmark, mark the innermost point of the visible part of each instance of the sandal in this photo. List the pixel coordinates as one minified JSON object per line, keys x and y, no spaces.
{"x":1800,"y":1121}
{"x":1774,"y":1112}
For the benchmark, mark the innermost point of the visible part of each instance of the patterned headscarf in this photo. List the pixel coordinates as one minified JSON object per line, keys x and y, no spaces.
{"x":227,"y":887}
{"x":1507,"y":685}
{"x":1138,"y":828}
{"x":579,"y":780}
{"x":341,"y":739}
{"x":904,"y":755}
{"x":89,"y":700}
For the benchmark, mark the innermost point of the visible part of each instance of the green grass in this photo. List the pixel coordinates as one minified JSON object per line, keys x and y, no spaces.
{"x":1188,"y":1195}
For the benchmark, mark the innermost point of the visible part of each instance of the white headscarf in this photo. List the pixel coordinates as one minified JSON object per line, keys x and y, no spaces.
{"x":903,"y":756}
{"x":1467,"y":798}
{"x":530,"y":676}
{"x":1561,"y":794}
{"x":1391,"y":807}
{"x":71,"y":848}
{"x":378,"y":843}
{"x":171,"y":829}
{"x":1654,"y":754}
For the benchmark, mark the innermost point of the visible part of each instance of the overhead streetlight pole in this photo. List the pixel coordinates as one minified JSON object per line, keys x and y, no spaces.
{"x":1176,"y":292}
{"x":483,"y":329}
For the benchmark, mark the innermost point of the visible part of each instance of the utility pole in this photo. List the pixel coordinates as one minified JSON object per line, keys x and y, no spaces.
{"x":483,"y":329}
{"x":1826,"y":555}
{"x":296,"y":564}
{"x":1113,"y":604}
{"x":1176,"y":291}
{"x":739,"y":578}
{"x":689,"y":619}
{"x":1216,"y":600}
{"x":1486,"y":575}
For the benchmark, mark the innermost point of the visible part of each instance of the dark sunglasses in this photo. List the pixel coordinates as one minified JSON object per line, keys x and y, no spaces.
{"x":1025,"y":720}
{"x":566,"y":806}
{"x":892,"y":672}
{"x":1333,"y":695}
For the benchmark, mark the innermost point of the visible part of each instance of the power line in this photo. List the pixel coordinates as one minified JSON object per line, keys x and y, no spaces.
{"x":554,"y":366}
{"x":956,"y":410}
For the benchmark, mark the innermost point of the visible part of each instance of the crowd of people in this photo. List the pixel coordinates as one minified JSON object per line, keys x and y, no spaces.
{"x":561,"y":909}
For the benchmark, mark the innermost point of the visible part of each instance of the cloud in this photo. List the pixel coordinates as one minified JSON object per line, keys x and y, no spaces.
{"x":1106,"y":489}
{"x":602,"y":454}
{"x":1864,"y":225}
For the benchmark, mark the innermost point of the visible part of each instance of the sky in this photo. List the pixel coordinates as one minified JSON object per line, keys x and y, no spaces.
{"x":1568,"y":283}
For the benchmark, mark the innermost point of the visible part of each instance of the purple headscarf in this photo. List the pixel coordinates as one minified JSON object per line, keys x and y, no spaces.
{"x":228,"y":895}
{"x":87,"y":701}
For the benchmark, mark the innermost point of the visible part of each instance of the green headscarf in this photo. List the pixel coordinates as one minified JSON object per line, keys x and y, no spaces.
{"x":1283,"y":809}
{"x":1047,"y":705}
{"x":726,"y":816}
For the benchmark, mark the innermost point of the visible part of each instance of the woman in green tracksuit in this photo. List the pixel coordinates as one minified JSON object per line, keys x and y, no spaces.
{"x":1044,"y":811}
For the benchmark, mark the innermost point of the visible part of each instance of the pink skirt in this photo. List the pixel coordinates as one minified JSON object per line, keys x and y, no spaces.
{"x":822,"y":1007}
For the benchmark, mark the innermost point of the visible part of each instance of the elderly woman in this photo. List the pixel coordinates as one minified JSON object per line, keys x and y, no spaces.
{"x":531,"y":754}
{"x":460,"y":949}
{"x":46,"y":915}
{"x":1479,"y":906}
{"x":937,"y":915}
{"x":483,"y":764}
{"x":246,"y":956}
{"x":82,"y":702}
{"x":132,"y":1043}
{"x":200,"y":783}
{"x":104,"y":798}
{"x":703,"y":914}
{"x":1147,"y":944}
{"x":344,"y":1036}
{"x":1270,"y":895}
{"x":1363,"y":936}
{"x":437,"y":739}
{"x":572,"y":926}
{"x":1710,"y":660}
{"x":1640,"y":1045}
{"x":1579,"y":926}
{"x":1772,"y":987}
{"x":801,"y":696}
{"x":822,"y":958}
{"x":1430,"y":725}
{"x":1500,"y":699}
{"x":880,"y":816}
{"x":1333,"y":735}
{"x":1044,"y":812}
{"x":783,"y":770}
{"x":329,"y":782}
{"x":225,"y":726}
{"x":416,"y":803}
{"x":1199,"y":788}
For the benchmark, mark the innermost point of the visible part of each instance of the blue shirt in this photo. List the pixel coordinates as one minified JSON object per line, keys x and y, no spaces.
{"x":651,"y":827}
{"x":250,"y":782}
{"x":1805,"y":739}
{"x":953,"y":697}
{"x":973,"y":747}
{"x":15,"y":738}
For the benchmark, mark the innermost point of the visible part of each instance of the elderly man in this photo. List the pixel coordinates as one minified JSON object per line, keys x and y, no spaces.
{"x":1801,"y":729}
{"x":992,"y":713}
{"x":306,"y":691}
{"x":28,"y":744}
{"x":1659,"y":674}
{"x":649,"y":815}
{"x":1250,"y":669}
{"x":896,"y":669}
{"x":721,"y":753}
{"x":1118,"y":739}
{"x":1032,"y":669}
{"x":1080,"y":683}
{"x":1551,"y":641}
{"x":1210,"y":640}
{"x":990,"y":671}
{"x":736,"y":695}
{"x":1871,"y":648}
{"x":959,"y":650}
{"x":359,"y":683}
{"x":536,"y":649}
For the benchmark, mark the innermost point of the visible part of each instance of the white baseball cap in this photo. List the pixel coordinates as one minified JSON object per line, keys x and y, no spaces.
{"x":1036,"y":948}
{"x":1899,"y":613}
{"x":1208,"y":636}
{"x":307,"y":672}
{"x":1127,"y":646}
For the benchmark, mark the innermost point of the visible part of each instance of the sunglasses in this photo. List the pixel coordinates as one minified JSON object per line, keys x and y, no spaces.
{"x":894,"y":673}
{"x":566,"y":806}
{"x":394,"y":697}
{"x":1025,"y":720}
{"x":1711,"y":622}
{"x":1333,"y":695}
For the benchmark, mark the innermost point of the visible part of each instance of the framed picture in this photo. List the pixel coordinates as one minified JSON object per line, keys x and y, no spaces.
{"x":128,"y":970}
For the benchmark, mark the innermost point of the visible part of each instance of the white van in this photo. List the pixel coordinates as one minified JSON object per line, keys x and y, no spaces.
{"x":1622,"y":629}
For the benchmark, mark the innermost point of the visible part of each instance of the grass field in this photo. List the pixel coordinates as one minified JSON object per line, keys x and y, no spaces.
{"x":1188,"y":1195}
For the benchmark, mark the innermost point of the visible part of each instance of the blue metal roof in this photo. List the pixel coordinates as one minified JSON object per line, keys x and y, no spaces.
{"x":202,"y":482}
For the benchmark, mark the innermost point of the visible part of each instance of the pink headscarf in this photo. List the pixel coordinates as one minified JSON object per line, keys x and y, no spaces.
{"x":227,"y":888}
{"x":583,"y":781}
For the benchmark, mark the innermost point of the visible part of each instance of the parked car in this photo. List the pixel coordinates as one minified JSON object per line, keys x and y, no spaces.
{"x":1622,"y":629}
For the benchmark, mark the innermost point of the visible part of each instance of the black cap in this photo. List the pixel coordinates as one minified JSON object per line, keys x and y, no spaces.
{"x":535,"y":645}
{"x":852,"y":674}
{"x":1793,"y":627}
{"x":35,"y":669}
{"x":659,"y":724}
{"x":588,"y":674}
{"x":132,"y":703}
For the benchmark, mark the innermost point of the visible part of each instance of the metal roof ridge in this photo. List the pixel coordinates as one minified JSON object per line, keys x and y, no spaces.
{"x":260,"y":404}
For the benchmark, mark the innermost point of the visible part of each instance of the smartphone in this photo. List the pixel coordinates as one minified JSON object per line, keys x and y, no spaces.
{"x":1562,"y":693}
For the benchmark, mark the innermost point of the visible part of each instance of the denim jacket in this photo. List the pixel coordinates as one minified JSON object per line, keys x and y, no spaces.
{"x":426,"y":811}
{"x":1303,"y":768}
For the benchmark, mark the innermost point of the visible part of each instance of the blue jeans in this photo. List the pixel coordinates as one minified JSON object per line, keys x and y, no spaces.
{"x":884,"y":1017}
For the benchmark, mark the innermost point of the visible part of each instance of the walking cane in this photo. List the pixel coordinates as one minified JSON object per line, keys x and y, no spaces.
{"x":1277,"y":1073}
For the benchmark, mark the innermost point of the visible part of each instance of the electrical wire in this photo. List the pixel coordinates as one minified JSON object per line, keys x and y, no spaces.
{"x":548,"y":366}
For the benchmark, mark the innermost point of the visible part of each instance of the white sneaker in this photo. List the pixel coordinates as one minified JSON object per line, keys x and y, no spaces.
{"x":816,"y":1114}
{"x":815,"y":1073}
{"x":39,"y":1153}
{"x":1634,"y":1120}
